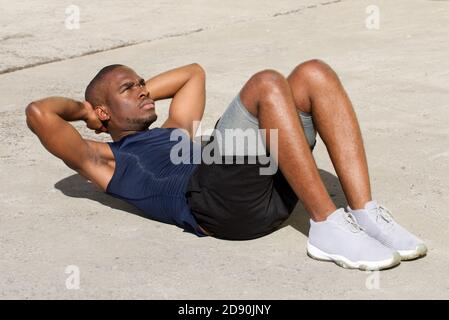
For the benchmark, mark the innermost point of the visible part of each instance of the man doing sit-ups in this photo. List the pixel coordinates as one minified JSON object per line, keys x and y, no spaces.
{"x":230,"y":200}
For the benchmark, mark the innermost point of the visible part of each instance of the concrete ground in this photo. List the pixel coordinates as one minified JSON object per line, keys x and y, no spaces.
{"x":397,"y":77}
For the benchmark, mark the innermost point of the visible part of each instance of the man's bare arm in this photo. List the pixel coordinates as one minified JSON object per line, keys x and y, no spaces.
{"x":187,"y":87}
{"x":48,"y":119}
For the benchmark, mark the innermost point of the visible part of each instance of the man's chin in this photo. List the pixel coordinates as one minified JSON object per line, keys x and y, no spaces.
{"x":141,"y":123}
{"x":150,"y":120}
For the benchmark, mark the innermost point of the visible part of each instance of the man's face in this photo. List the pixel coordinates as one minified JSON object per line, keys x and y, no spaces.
{"x":128,"y":100}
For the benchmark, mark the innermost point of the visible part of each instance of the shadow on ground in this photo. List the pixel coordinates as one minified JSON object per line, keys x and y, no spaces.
{"x":78,"y":187}
{"x":299,"y":218}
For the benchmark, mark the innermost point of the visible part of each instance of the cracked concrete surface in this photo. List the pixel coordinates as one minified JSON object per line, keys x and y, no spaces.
{"x":42,"y":37}
{"x":51,"y":218}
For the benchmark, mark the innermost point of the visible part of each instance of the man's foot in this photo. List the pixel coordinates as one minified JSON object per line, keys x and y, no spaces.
{"x":341,"y":240}
{"x":377,"y":222}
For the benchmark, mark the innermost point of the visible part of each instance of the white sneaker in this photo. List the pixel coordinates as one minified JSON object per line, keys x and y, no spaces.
{"x":341,"y":240}
{"x":378,"y":222}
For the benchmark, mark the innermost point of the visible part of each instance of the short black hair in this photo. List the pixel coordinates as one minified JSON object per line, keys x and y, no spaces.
{"x":93,"y":94}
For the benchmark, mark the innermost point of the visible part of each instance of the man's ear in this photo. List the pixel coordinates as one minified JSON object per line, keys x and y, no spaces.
{"x":102,"y":113}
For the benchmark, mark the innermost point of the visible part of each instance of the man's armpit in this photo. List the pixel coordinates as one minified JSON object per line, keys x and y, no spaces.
{"x":99,"y":153}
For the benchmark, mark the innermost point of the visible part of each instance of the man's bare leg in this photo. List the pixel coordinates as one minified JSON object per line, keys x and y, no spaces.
{"x":334,"y":235}
{"x":317,"y":90}
{"x":267,"y":95}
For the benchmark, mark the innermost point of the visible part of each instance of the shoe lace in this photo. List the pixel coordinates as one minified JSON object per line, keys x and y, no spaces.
{"x":350,"y":219}
{"x":385,"y":214}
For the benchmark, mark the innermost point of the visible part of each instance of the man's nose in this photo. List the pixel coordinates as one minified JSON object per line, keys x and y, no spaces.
{"x":144,"y":93}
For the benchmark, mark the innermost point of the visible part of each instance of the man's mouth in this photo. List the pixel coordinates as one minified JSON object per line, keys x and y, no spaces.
{"x":147,"y":104}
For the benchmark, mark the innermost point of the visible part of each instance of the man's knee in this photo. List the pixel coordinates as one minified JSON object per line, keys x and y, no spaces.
{"x":314,"y":70}
{"x":260,"y":85}
{"x":268,"y":79}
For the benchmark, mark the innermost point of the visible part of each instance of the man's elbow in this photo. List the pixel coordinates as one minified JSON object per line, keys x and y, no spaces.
{"x":32,"y":113}
{"x":199,"y":69}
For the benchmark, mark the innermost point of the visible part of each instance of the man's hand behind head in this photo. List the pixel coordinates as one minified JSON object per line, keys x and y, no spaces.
{"x":92,"y":120}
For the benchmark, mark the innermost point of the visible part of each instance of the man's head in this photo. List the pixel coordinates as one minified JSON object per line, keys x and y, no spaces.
{"x":120,"y":99}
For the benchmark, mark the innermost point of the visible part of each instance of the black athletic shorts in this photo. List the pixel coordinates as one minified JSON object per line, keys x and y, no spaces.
{"x":235,"y":202}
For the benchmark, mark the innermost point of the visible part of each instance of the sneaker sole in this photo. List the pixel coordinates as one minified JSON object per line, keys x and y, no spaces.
{"x":343,"y":262}
{"x":420,"y":251}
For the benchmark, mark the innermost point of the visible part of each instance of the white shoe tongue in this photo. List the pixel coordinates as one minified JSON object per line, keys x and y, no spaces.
{"x":371,"y":205}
